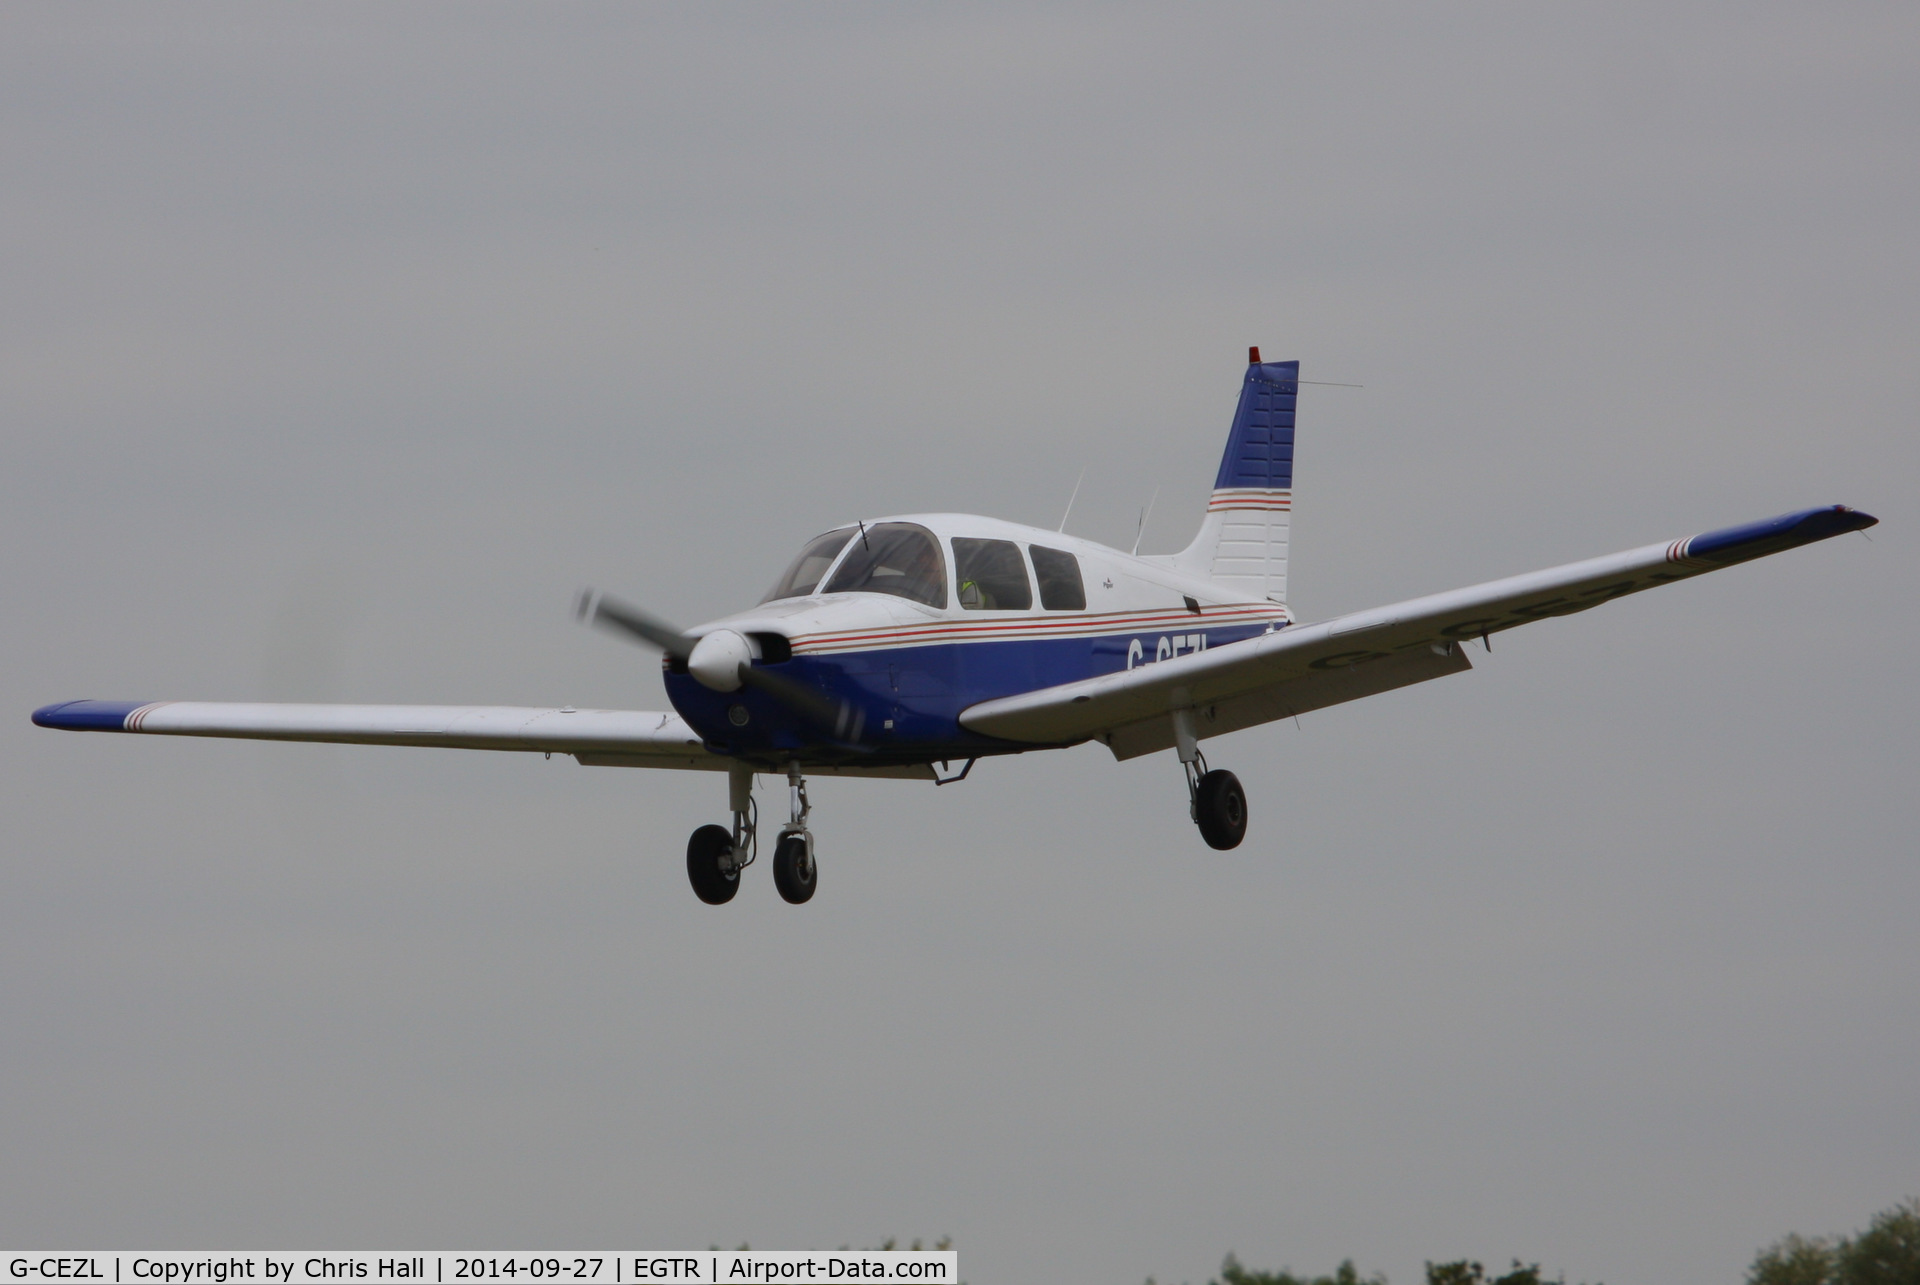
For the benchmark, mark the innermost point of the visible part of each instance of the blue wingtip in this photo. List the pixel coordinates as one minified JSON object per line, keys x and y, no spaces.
{"x":86,"y":716}
{"x":1755,"y":539}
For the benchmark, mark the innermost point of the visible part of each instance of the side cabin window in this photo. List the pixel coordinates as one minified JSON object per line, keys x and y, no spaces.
{"x":803,"y":575}
{"x":990,"y":575}
{"x":897,"y":558}
{"x":1061,"y":588}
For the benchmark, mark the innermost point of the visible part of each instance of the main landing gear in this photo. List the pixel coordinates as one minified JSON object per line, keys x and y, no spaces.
{"x":1215,"y":800}
{"x":715,"y":856}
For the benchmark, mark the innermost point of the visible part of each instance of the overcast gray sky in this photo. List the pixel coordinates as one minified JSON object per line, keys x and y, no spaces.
{"x":342,"y":344}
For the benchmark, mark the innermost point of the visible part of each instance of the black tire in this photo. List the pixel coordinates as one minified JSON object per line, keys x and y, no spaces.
{"x":795,"y":872}
{"x":711,"y":883}
{"x":1220,"y":808}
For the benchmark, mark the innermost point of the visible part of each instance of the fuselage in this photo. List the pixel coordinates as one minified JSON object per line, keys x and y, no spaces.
{"x":916,"y":643}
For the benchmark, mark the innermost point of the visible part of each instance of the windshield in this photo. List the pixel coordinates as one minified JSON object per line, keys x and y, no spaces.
{"x":897,"y":558}
{"x":803,"y":575}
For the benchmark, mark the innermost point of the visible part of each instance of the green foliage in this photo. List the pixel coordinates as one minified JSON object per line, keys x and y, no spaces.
{"x":1886,"y":1253}
{"x":1467,"y":1273}
{"x":1794,"y":1260}
{"x":1232,"y":1273}
{"x":1459,"y":1273}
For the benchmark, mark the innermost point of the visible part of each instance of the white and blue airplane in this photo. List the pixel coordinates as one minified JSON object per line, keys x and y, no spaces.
{"x":893,"y":647}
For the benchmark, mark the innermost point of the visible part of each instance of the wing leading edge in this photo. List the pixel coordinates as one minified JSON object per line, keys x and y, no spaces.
{"x":1308,"y":667}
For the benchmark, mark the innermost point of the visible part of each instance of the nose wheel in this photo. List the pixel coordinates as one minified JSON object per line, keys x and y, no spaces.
{"x":794,"y":872}
{"x":716,"y":856}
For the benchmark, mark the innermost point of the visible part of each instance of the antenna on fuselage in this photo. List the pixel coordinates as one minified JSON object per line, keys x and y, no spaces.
{"x":1144,"y":515}
{"x":1061,"y":529}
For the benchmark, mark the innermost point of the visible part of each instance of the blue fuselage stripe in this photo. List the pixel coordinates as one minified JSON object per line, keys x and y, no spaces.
{"x":921,"y":691}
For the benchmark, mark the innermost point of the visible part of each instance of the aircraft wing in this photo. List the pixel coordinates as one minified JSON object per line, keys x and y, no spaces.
{"x":1307,"y":667}
{"x":612,"y":737}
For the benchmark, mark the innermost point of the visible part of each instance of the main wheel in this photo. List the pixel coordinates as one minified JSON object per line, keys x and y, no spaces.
{"x":795,"y":872}
{"x":713,"y":882}
{"x":1220,"y":808}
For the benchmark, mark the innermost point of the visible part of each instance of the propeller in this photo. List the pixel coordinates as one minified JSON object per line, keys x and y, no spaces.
{"x":845,"y":719}
{"x":722,"y":661}
{"x":596,"y":608}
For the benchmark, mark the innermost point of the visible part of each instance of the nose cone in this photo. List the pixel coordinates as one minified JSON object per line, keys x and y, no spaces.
{"x":716,"y":660}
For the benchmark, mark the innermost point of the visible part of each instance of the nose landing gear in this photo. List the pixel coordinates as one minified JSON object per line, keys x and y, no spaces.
{"x":794,"y":871}
{"x":715,"y":856}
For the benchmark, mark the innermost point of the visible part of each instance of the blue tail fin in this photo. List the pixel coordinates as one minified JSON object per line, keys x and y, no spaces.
{"x":1259,"y":454}
{"x":1243,"y":542}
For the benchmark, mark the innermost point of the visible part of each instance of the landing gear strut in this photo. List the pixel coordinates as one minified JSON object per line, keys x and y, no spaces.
{"x":716,"y":856}
{"x":1215,"y":800}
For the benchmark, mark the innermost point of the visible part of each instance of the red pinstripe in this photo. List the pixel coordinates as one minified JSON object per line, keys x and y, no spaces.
{"x":1005,"y":628}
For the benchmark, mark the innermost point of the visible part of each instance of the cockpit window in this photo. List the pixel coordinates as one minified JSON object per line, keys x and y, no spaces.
{"x":897,"y":558}
{"x":990,"y":575}
{"x":1060,"y":586}
{"x":804,"y":574}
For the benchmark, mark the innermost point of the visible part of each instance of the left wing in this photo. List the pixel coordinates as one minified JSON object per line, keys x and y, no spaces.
{"x":614,"y":737}
{"x":1307,"y":667}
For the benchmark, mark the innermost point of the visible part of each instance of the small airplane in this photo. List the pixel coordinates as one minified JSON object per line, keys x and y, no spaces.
{"x":891,"y":645}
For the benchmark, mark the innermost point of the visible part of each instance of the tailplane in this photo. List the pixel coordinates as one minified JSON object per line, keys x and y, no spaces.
{"x":1243,"y":541}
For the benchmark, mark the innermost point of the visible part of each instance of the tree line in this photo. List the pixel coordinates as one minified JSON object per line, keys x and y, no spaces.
{"x":1886,"y":1253}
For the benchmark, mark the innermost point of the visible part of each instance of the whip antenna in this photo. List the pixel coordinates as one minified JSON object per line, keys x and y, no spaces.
{"x":1144,"y":515}
{"x":1070,"y":499}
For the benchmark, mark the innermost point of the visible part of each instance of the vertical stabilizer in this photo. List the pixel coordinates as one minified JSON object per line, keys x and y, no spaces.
{"x":1243,"y":542}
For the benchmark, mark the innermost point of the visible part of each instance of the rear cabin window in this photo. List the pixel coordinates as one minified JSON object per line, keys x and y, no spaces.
{"x":989,"y":575}
{"x":897,"y":558}
{"x":803,"y":576}
{"x":1060,"y":585}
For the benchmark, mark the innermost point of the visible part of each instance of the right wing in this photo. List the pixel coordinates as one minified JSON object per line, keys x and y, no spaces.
{"x":596,"y":737}
{"x":1307,"y":667}
{"x":613,"y":737}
